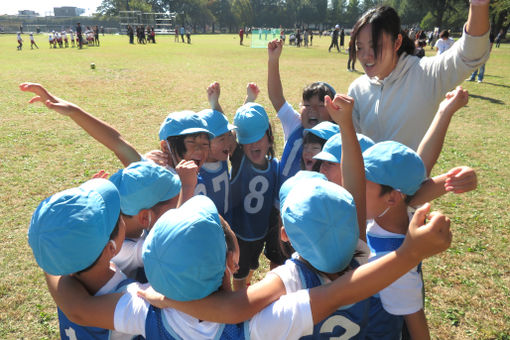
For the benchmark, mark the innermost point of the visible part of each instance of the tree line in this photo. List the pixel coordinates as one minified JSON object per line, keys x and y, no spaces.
{"x":232,"y":14}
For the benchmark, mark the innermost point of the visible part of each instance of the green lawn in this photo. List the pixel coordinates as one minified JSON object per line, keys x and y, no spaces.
{"x":134,"y":87}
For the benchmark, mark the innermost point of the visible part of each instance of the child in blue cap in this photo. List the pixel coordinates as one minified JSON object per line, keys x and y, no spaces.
{"x":331,"y":155}
{"x":254,"y":186}
{"x":184,"y":126}
{"x":312,"y":111}
{"x":313,"y":141}
{"x":214,"y":175}
{"x":77,"y":232}
{"x":397,"y":179}
{"x":146,"y":191}
{"x":189,"y":242}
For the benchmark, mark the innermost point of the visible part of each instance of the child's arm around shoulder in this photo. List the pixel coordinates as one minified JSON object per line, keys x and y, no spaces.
{"x":224,"y":306}
{"x":99,"y":130}
{"x":423,"y":239}
{"x":353,"y":169}
{"x":79,"y":306}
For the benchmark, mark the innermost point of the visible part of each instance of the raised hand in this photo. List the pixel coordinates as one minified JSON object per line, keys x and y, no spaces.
{"x":426,"y":238}
{"x":340,"y":108}
{"x":252,"y":92}
{"x":461,"y":179}
{"x":274,"y":49}
{"x":453,"y":101}
{"x":42,"y":95}
{"x":213,"y":94}
{"x":188,"y":172}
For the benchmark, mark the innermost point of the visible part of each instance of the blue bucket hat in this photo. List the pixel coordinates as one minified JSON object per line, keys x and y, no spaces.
{"x":182,"y":123}
{"x":70,"y":229}
{"x":395,"y":165}
{"x":324,"y":130}
{"x":216,"y":121}
{"x":144,"y":184}
{"x":185,"y":252}
{"x":320,"y":219}
{"x":332,"y":149}
{"x":291,"y":182}
{"x":252,"y":123}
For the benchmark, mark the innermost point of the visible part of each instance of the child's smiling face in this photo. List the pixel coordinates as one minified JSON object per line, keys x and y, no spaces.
{"x":197,"y":148}
{"x":310,"y":150}
{"x":256,"y":152}
{"x":313,"y":112}
{"x":219,"y":148}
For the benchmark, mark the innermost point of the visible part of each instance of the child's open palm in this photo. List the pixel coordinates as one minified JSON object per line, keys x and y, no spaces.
{"x":42,"y":95}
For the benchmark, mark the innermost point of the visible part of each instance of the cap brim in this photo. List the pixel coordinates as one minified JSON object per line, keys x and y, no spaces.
{"x":326,"y":156}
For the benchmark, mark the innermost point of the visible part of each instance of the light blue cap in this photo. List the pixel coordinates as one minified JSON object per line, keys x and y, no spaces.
{"x":320,"y":219}
{"x":324,"y":130}
{"x":185,"y":252}
{"x":252,"y":123}
{"x":332,"y":149}
{"x":396,"y":165}
{"x":70,"y":229}
{"x":144,"y":184}
{"x":182,"y":123}
{"x":216,"y":121}
{"x":291,"y":182}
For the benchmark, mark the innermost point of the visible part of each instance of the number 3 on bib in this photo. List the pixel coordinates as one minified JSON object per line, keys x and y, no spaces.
{"x":254,"y":201}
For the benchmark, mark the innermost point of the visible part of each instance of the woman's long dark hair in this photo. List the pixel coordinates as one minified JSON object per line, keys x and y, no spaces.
{"x":382,"y":19}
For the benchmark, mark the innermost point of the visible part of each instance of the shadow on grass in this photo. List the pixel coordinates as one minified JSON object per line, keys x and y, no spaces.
{"x":492,"y":100}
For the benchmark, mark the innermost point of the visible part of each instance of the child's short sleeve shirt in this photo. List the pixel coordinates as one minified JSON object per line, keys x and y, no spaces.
{"x":405,"y":295}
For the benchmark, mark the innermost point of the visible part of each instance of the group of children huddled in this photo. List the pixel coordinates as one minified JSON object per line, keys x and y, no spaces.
{"x":61,"y":39}
{"x":335,"y":217}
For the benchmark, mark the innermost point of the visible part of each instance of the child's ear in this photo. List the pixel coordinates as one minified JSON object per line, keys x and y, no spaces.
{"x":394,"y":198}
{"x":164,"y":146}
{"x":144,"y":218}
{"x":283,"y":235}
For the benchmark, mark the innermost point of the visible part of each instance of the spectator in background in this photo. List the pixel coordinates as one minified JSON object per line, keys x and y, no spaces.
{"x":342,"y":39}
{"x":311,"y":37}
{"x":334,"y":38}
{"x":78,"y":35}
{"x":182,"y":31}
{"x":241,"y":36}
{"x":481,"y":71}
{"x":444,"y":42}
{"x":499,"y":37}
{"x":131,"y":34}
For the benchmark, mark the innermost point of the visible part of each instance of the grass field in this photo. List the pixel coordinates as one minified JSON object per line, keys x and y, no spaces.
{"x":134,"y":87}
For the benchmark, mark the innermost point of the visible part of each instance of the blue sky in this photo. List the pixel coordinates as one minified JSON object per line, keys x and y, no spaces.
{"x":45,"y":6}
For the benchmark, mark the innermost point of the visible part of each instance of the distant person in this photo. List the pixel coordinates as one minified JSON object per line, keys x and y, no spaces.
{"x":188,"y":35}
{"x":131,"y":34}
{"x":20,"y":42}
{"x":342,"y":39}
{"x":32,"y":42}
{"x":182,"y":31}
{"x":241,"y":36}
{"x":481,"y":71}
{"x":334,"y":38}
{"x":499,"y":37}
{"x":444,"y":42}
{"x":38,"y":30}
{"x":78,"y":35}
{"x":306,"y":36}
{"x":176,"y":35}
{"x":419,"y":51}
{"x":311,"y":37}
{"x":71,"y":36}
{"x":96,"y":35}
{"x":352,"y":57}
{"x":21,"y":29}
